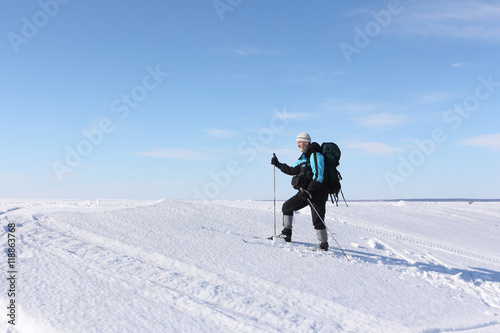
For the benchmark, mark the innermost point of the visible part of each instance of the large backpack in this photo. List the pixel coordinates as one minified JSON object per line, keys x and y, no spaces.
{"x":331,"y":152}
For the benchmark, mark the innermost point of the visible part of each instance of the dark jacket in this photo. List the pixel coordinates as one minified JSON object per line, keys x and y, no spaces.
{"x":308,"y":171}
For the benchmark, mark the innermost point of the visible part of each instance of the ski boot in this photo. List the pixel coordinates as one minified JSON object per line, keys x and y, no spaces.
{"x":323,"y":240}
{"x":286,"y":233}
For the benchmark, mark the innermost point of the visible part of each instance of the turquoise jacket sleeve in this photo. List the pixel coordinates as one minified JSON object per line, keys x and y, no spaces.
{"x":299,"y":161}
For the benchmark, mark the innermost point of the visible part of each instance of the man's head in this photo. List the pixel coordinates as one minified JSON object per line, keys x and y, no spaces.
{"x":303,"y":141}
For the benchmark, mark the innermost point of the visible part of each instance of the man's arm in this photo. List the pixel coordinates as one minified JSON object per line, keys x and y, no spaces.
{"x":289,"y":170}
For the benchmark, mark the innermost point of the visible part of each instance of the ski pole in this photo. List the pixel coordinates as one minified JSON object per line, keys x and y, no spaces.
{"x":274,"y":198}
{"x":310,"y":204}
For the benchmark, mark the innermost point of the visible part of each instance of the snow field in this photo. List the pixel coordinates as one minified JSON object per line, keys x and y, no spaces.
{"x":179,"y":266}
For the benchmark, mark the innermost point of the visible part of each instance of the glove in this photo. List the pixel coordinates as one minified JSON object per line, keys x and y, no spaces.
{"x":275,"y":162}
{"x":304,"y":194}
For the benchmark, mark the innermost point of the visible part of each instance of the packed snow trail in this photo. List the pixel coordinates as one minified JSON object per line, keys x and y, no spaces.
{"x":132,"y":266}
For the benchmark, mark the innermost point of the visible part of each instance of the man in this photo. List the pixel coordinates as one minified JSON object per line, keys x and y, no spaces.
{"x":308,"y":178}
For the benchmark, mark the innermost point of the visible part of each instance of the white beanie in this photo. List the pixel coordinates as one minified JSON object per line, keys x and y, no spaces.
{"x":303,"y":137}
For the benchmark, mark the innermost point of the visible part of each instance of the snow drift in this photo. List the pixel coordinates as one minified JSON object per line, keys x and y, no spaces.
{"x":194,"y":266}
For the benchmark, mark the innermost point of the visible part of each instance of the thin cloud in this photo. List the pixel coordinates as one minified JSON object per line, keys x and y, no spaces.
{"x":375,"y":148}
{"x":461,"y":64}
{"x":435,"y":97}
{"x":314,"y":78}
{"x":220,"y":133}
{"x":489,"y":141}
{"x":15,"y":177}
{"x":289,"y":115}
{"x":380,"y":120}
{"x":471,"y":20}
{"x":245,"y":51}
{"x":347,"y":107}
{"x":250,"y":51}
{"x":366,"y":114}
{"x":175,"y":154}
{"x":237,"y":77}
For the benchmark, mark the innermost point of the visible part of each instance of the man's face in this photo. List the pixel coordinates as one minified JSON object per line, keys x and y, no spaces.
{"x":302,"y":146}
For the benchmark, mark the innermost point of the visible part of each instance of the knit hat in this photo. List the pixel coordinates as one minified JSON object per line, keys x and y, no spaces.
{"x":303,"y":137}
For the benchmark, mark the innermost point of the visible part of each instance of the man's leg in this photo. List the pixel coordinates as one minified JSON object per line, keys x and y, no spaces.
{"x":321,"y":232}
{"x":293,"y":204}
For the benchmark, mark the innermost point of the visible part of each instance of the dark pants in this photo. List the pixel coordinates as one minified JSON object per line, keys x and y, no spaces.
{"x":297,"y":202}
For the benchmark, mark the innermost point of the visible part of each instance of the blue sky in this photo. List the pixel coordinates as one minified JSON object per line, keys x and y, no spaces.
{"x":189,"y":99}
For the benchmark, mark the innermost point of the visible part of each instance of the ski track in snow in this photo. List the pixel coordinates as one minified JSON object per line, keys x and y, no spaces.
{"x":424,"y":243}
{"x":78,"y":275}
{"x":186,"y":289}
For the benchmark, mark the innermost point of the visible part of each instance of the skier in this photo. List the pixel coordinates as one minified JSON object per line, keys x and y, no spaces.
{"x":308,"y":180}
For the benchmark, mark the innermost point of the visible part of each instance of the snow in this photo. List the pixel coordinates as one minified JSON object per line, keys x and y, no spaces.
{"x":203,"y":266}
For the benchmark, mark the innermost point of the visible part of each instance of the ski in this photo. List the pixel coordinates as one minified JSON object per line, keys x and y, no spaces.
{"x":263,"y":238}
{"x":274,"y":236}
{"x":304,"y":245}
